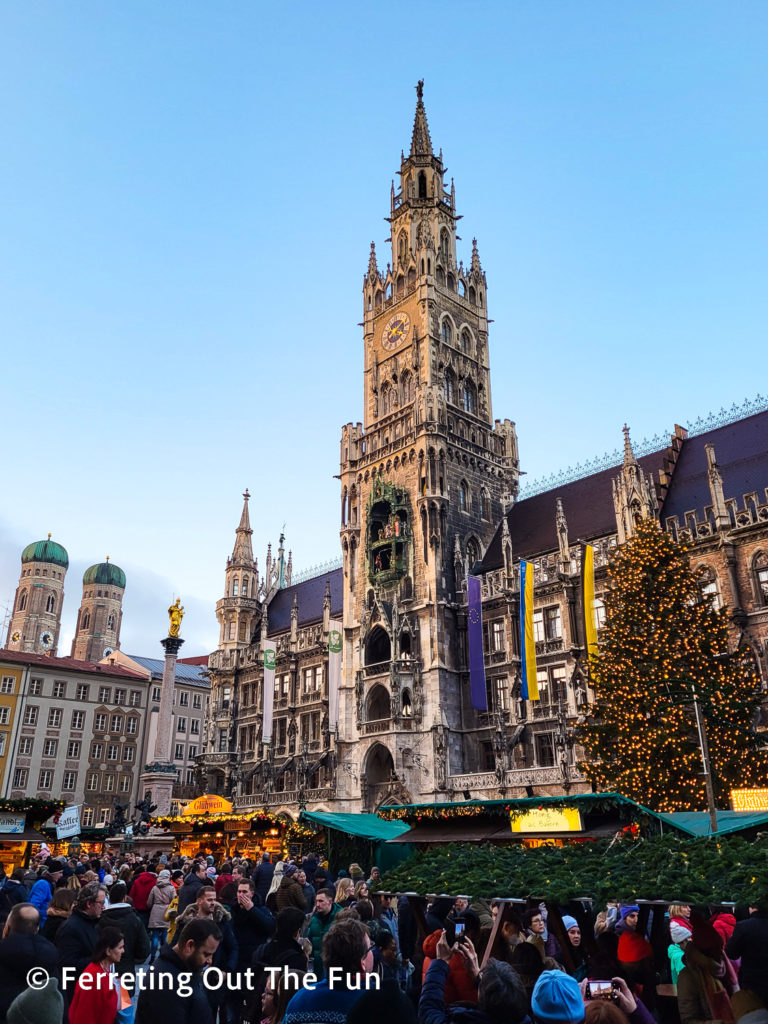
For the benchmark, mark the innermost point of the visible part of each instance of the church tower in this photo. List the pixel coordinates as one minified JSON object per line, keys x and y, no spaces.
{"x":240,"y":608}
{"x":97,"y":633}
{"x":36,"y":618}
{"x":424,"y":480}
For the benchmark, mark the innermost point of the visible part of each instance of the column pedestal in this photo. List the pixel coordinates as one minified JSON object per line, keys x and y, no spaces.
{"x":160,"y":774}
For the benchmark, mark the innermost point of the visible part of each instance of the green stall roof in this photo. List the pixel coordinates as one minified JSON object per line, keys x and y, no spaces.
{"x":367,"y":826}
{"x":696,"y":823}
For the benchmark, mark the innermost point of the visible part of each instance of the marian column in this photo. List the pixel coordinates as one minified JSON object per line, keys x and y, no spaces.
{"x":160,"y":774}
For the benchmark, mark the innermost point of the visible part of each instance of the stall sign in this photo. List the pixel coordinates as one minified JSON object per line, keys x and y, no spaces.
{"x":68,"y":823}
{"x":12,"y":824}
{"x":749,"y":799}
{"x":547,"y":819}
{"x":208,"y":803}
{"x":240,"y":825}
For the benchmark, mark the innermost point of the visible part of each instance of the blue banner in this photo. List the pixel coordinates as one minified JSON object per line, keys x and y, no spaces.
{"x":475,"y":638}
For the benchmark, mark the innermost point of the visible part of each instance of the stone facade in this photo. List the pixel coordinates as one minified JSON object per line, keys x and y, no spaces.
{"x":429,"y":494}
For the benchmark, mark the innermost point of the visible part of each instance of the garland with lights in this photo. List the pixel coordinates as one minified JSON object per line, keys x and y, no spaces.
{"x":663,"y":643}
{"x":626,"y":868}
{"x":588,"y":802}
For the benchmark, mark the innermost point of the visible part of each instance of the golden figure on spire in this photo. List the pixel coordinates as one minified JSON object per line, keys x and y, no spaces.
{"x":175,"y":614}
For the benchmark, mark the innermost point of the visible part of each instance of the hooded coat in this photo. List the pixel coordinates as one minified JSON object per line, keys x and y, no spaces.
{"x":158,"y":902}
{"x":124,"y":917}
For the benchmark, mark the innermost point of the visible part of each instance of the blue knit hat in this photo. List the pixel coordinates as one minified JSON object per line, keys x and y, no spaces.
{"x":569,"y":922}
{"x":628,"y":908}
{"x":557,"y":998}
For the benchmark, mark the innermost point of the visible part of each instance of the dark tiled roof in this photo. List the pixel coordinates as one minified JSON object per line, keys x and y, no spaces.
{"x":588,"y":507}
{"x":185,"y":673}
{"x":310,"y":595}
{"x":741,"y":451}
{"x":67,"y":664}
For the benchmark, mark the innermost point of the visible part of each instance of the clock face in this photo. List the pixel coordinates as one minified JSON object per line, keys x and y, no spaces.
{"x":395,"y":331}
{"x":15,"y":636}
{"x":46,"y":639}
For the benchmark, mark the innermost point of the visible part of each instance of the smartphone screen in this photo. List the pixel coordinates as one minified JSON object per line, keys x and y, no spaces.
{"x":600,"y":989}
{"x":460,"y":930}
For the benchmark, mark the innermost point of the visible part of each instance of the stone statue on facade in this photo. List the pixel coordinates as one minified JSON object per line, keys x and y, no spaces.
{"x":175,"y":614}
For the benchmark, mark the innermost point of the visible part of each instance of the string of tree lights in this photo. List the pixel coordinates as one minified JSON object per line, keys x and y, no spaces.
{"x":663,"y":647}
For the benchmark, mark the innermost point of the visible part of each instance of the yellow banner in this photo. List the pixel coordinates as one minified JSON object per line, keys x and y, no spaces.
{"x":749,"y":799}
{"x":208,"y":803}
{"x":547,"y":819}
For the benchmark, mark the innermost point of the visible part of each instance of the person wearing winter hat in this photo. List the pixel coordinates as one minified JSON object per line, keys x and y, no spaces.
{"x":158,"y":901}
{"x":289,"y":893}
{"x":681,"y":936}
{"x":557,"y":999}
{"x":37,"y":1006}
{"x":635,"y":954}
{"x":575,"y":948}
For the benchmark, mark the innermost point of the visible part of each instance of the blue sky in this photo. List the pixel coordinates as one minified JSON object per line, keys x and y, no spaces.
{"x":190,"y":191}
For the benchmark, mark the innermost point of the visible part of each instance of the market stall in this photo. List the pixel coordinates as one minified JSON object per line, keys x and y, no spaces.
{"x":20,"y":830}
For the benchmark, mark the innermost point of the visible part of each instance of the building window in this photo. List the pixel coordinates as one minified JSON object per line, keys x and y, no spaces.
{"x":760,"y":570}
{"x":501,"y":693}
{"x":196,"y":703}
{"x":222,"y":740}
{"x":25,"y":745}
{"x":599,"y":612}
{"x":50,"y":747}
{"x":112,"y":752}
{"x":135,"y":698}
{"x":155,"y":694}
{"x":3,"y":742}
{"x":485,"y":505}
{"x":498,"y":636}
{"x":466,"y":342}
{"x":447,"y":333}
{"x":448,"y":386}
{"x":463,"y":497}
{"x":23,"y":601}
{"x":119,"y":697}
{"x":194,"y":726}
{"x":59,"y":689}
{"x":97,"y":751}
{"x":54,"y":718}
{"x":82,"y":691}
{"x":85,"y":621}
{"x":117,"y":724}
{"x":181,"y":725}
{"x":73,"y":748}
{"x":109,"y":787}
{"x":35,"y":687}
{"x":20,"y":777}
{"x":92,"y":783}
{"x":5,"y":716}
{"x":183,"y":699}
{"x":190,"y":776}
{"x":104,"y":694}
{"x":129,"y":754}
{"x":545,"y":749}
{"x":192,"y":753}
{"x":100,"y":723}
{"x":468,"y":397}
{"x":131,"y":725}
{"x":31,"y":712}
{"x":78,"y":719}
{"x":178,"y":754}
{"x":552,"y":624}
{"x":7,"y":684}
{"x":46,"y":779}
{"x":125,"y":784}
{"x":87,"y":820}
{"x":69,"y":781}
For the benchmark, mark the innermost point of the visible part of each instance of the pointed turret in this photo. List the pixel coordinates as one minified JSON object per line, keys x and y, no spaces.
{"x":475,"y":267}
{"x":242,"y":554}
{"x":373,"y":268}
{"x":421,"y":143}
{"x":632,"y":498}
{"x":561,"y":524}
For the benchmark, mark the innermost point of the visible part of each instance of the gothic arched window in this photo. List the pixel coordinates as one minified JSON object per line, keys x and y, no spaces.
{"x":468,"y":396}
{"x":760,"y":570}
{"x":449,"y":386}
{"x":445,"y":243}
{"x":422,"y":185}
{"x":50,"y":604}
{"x":447,"y":332}
{"x":463,"y":496}
{"x":407,"y":385}
{"x":473,"y":553}
{"x":235,"y":587}
{"x":23,"y":601}
{"x":86,"y":620}
{"x":387,"y":399}
{"x":244,"y":591}
{"x":466,"y":342}
{"x":708,"y":584}
{"x":402,"y":247}
{"x":111,"y":622}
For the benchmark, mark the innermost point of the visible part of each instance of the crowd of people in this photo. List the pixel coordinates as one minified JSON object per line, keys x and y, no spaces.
{"x":176,"y":940}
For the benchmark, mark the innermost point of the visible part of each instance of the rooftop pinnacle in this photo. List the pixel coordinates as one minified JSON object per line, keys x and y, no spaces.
{"x":421,"y":143}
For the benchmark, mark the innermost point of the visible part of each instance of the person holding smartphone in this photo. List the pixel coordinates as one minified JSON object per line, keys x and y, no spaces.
{"x":620,"y":1007}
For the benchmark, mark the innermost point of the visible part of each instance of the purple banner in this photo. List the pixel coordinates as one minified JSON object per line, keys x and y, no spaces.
{"x":475,"y":638}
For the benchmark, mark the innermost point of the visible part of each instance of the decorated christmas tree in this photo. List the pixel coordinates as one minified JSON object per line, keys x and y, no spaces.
{"x":662,"y":645}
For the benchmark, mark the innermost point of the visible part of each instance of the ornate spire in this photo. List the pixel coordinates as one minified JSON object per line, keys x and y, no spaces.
{"x":421,"y":143}
{"x":632,"y":497}
{"x":243,"y":551}
{"x":719,"y":508}
{"x":629,"y":455}
{"x":373,"y":268}
{"x":475,"y":267}
{"x":561,"y":525}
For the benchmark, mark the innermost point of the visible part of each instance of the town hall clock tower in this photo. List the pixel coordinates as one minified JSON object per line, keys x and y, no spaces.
{"x":424,"y":482}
